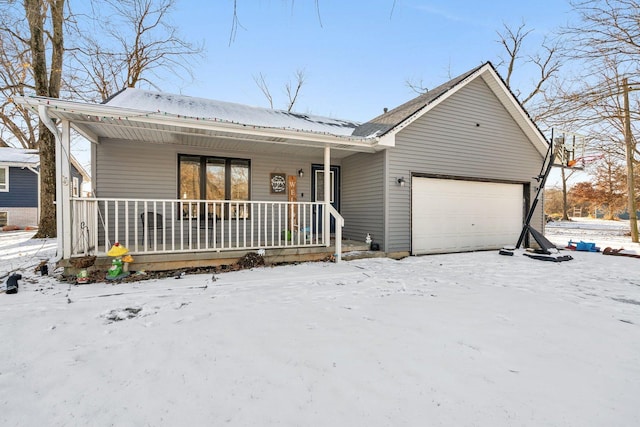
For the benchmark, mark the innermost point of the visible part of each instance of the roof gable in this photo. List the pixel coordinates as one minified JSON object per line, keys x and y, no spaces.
{"x":392,"y":118}
{"x":398,"y":118}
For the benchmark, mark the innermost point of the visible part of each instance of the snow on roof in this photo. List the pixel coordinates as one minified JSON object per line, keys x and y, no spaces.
{"x":25,"y":157}
{"x":189,"y":106}
{"x":19,"y":156}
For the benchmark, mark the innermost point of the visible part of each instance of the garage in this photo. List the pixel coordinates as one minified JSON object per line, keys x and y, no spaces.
{"x":452,"y":215}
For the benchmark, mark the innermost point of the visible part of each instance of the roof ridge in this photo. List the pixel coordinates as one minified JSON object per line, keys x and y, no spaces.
{"x":392,"y":118}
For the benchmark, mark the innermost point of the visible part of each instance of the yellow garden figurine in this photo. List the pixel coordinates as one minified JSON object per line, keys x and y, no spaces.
{"x":120,"y":263}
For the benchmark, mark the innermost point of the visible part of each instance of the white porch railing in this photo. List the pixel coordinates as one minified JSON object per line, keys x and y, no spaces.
{"x":173,"y":226}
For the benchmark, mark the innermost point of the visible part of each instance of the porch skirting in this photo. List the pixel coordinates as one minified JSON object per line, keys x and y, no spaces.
{"x":178,"y":261}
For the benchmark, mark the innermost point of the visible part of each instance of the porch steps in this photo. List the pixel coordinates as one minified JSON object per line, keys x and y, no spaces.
{"x":362,"y":254}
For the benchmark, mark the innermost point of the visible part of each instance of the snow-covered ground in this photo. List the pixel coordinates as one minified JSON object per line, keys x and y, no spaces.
{"x":471,"y":339}
{"x":604,"y":233}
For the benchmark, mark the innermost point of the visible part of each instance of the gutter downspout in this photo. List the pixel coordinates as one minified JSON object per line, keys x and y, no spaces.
{"x":37,"y":172}
{"x":48,"y":122}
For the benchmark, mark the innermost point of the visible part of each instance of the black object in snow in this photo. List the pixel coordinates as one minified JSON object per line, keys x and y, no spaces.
{"x":551,"y":258}
{"x":12,"y":283}
{"x":544,"y":243}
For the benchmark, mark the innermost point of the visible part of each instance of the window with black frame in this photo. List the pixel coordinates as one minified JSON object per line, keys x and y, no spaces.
{"x":214,"y":178}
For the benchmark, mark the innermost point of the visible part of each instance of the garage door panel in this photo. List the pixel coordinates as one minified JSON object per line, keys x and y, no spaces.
{"x":456,"y":215}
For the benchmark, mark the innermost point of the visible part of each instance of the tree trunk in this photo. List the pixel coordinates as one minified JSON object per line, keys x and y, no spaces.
{"x":36,"y":11}
{"x":565,"y":215}
{"x":48,"y":225}
{"x":629,"y":149}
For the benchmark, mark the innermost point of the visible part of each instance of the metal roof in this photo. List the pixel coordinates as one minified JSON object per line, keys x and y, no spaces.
{"x":174,"y":119}
{"x":189,"y":106}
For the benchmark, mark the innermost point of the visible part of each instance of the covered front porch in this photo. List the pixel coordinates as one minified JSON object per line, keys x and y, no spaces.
{"x":138,"y":163}
{"x":150,"y":226}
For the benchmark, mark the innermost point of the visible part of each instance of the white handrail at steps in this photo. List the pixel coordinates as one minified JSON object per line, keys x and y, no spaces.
{"x":339,"y":224}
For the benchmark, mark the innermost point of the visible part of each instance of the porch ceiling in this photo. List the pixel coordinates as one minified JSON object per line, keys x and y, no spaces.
{"x":100,"y":123}
{"x":196,"y":137}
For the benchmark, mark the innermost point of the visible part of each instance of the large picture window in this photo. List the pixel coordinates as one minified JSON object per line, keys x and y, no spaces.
{"x":213,"y":178}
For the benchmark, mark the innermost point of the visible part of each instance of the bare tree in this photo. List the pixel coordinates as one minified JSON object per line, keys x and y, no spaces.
{"x":606,"y":40}
{"x":565,"y":177}
{"x":546,"y":62}
{"x":512,"y":41}
{"x":235,"y":23}
{"x":610,"y":185}
{"x":416,"y":86}
{"x":235,"y":18}
{"x":31,"y":62}
{"x":292,"y":89}
{"x":552,"y":202}
{"x":136,"y":44}
{"x":566,"y":173}
{"x":261,"y":82}
{"x":45,"y":20}
{"x":18,"y":126}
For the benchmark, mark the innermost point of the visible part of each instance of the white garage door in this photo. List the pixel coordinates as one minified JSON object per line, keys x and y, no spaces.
{"x":455,"y":216}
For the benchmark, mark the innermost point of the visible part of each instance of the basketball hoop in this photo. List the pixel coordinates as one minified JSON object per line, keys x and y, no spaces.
{"x":569,"y":151}
{"x":584,"y":160}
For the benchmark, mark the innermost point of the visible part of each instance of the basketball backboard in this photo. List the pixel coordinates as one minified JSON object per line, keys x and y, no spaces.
{"x":569,"y":150}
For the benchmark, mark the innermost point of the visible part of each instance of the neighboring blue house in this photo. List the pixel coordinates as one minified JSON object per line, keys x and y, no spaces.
{"x":19,"y":185}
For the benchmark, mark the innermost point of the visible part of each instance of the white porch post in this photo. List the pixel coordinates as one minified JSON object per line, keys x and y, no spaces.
{"x":64,"y":203}
{"x":327,"y":195}
{"x":44,"y":116}
{"x":58,"y":196}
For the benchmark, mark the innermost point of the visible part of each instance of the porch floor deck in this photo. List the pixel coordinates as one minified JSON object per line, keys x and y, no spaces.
{"x":351,"y":249}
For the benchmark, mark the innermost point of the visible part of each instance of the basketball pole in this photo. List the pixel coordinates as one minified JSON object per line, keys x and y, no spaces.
{"x":544,"y":174}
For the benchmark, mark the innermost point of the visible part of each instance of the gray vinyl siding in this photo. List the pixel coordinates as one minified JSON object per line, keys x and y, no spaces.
{"x":363,"y":197}
{"x":135,"y":170}
{"x":469,"y":135}
{"x":149,"y":171}
{"x":23,"y":189}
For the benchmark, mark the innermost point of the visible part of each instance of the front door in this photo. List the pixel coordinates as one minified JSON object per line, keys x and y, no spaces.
{"x":317,"y":190}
